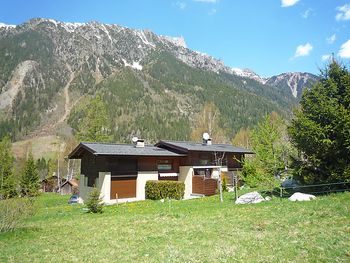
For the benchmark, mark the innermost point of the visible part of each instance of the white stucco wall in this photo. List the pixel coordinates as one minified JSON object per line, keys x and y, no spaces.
{"x":103,"y":184}
{"x":142,"y":178}
{"x":185,"y":176}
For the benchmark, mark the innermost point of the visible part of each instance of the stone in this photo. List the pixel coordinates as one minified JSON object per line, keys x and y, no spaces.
{"x":267,"y":198}
{"x":301,"y":197}
{"x":250,"y":198}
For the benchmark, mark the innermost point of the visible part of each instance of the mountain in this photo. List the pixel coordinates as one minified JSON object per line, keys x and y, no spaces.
{"x":153,"y":86}
{"x":295,"y":81}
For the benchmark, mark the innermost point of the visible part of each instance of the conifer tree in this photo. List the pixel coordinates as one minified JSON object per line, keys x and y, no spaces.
{"x":320,"y":129}
{"x":7,"y":180}
{"x":30,"y":178}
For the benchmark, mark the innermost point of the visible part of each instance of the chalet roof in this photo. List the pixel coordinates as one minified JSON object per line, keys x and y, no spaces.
{"x":183,"y":147}
{"x":120,"y":150}
{"x":72,"y":182}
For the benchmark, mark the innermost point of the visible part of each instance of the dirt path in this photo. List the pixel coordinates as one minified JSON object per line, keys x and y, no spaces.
{"x":67,"y":107}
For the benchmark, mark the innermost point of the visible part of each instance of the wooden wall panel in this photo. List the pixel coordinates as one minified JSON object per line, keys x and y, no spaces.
{"x":124,"y":186}
{"x":210,"y":186}
{"x":197,"y":184}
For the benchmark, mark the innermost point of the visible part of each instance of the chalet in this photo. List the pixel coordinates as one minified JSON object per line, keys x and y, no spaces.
{"x":69,"y":187}
{"x":121,"y":170}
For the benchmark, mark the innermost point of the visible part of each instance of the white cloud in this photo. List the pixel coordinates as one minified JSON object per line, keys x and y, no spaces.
{"x":344,"y":51}
{"x":287,"y":3}
{"x":343,"y":12}
{"x":325,"y":57}
{"x":331,"y":39}
{"x":207,"y":1}
{"x":303,"y":50}
{"x":307,"y":13}
{"x":181,"y":5}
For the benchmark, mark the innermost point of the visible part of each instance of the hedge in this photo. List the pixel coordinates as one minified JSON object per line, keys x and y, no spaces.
{"x":157,"y":190}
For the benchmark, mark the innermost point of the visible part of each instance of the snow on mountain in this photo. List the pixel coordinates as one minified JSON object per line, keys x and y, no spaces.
{"x":247,"y":73}
{"x":177,"y":41}
{"x":2,"y":25}
{"x":296,"y":82}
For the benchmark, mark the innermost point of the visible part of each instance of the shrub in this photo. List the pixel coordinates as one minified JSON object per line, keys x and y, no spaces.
{"x":14,"y":211}
{"x":224,"y":183}
{"x":94,"y":203}
{"x":157,"y":190}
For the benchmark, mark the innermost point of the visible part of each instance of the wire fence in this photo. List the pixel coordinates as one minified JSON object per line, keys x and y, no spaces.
{"x":315,"y":189}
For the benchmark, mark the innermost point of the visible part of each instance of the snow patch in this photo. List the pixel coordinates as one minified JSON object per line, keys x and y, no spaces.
{"x":143,"y":38}
{"x":134,"y":65}
{"x":247,"y":73}
{"x":71,"y":27}
{"x":104,"y":29}
{"x":2,"y":25}
{"x":177,"y":41}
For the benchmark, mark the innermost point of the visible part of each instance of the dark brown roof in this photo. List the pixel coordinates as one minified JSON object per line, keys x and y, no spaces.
{"x":184,"y":147}
{"x":120,"y":150}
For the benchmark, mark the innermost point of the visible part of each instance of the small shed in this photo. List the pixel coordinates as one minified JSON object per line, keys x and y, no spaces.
{"x":70,"y":187}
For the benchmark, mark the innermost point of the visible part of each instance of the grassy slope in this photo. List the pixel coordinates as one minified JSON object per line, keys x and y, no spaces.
{"x":44,"y":146}
{"x":201,"y":230}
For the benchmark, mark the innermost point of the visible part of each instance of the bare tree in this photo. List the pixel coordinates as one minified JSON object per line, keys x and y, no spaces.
{"x":219,"y":157}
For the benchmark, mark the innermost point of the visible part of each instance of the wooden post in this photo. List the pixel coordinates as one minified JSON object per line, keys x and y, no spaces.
{"x":235,"y":182}
{"x":116,"y":198}
{"x":281,"y":192}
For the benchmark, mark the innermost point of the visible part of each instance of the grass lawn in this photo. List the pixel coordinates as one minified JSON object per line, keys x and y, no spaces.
{"x":200,"y":230}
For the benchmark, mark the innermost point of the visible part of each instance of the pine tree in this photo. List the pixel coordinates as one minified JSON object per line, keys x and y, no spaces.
{"x":30,"y":178}
{"x":320,"y":129}
{"x":7,"y":180}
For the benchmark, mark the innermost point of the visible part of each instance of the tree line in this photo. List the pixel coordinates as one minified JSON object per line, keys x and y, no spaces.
{"x":314,"y":146}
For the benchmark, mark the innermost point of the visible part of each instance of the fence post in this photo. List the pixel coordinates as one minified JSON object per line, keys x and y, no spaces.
{"x":281,"y":192}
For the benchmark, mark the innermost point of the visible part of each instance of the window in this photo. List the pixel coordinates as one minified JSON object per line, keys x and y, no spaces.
{"x":164,"y":165}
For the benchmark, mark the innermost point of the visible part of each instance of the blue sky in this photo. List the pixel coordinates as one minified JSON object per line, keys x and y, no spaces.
{"x":267,"y":36}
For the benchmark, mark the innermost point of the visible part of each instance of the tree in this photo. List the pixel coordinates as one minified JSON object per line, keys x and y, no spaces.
{"x":320,"y":129}
{"x":208,"y":120}
{"x":94,"y":203}
{"x":94,"y":125}
{"x":30,"y":178}
{"x":7,"y":180}
{"x":242,"y":138}
{"x":272,"y":149}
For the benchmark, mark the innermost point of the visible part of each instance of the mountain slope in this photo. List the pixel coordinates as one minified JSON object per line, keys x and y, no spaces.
{"x":294,"y":81}
{"x":152,"y":85}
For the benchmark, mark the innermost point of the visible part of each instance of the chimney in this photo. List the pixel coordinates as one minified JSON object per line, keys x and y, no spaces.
{"x":206,"y":139}
{"x":138,"y":142}
{"x":209,"y":141}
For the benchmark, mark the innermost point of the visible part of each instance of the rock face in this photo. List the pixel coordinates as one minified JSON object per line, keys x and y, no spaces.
{"x":296,"y":82}
{"x":301,"y":197}
{"x":250,"y":198}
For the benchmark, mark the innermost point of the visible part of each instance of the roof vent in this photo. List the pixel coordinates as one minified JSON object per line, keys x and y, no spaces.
{"x":206,"y":139}
{"x":138,"y":142}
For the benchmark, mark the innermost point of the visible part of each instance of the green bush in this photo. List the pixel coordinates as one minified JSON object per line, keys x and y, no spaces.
{"x":94,"y":203}
{"x":157,"y":190}
{"x":224,"y":183}
{"x":13,"y":211}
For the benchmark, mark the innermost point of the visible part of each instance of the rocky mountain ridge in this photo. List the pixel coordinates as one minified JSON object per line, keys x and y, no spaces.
{"x":48,"y":67}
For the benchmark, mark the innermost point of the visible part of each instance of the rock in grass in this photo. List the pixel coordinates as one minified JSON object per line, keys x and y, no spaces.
{"x":250,"y":198}
{"x":301,"y":197}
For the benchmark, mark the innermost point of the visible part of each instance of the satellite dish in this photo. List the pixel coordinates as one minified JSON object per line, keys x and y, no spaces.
{"x":206,"y":136}
{"x":134,"y":139}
